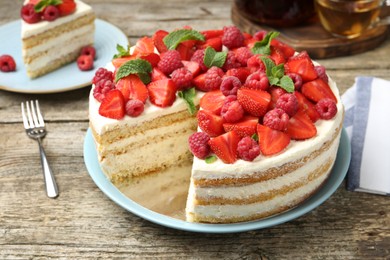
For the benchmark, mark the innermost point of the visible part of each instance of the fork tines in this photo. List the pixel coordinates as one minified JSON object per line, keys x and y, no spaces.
{"x":34,"y":117}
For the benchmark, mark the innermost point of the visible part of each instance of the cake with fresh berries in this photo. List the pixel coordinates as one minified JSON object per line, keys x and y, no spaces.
{"x":53,"y":34}
{"x":260,"y":122}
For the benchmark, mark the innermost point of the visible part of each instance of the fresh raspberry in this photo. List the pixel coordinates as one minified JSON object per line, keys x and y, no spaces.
{"x":134,"y":107}
{"x":88,"y":50}
{"x":242,"y":55}
{"x":198,"y":57}
{"x":199,"y":146}
{"x":321,"y":72}
{"x":232,"y":37}
{"x":229,"y":99}
{"x":170,"y":61}
{"x":327,"y":108}
{"x":231,"y":61}
{"x":297,"y":79}
{"x":7,"y":63}
{"x":259,"y":35}
{"x":102,"y":73}
{"x":230,"y":85}
{"x":256,"y":63}
{"x":51,"y":13}
{"x":289,"y":103}
{"x":257,"y":80}
{"x":85,"y":62}
{"x":213,"y":78}
{"x":182,"y":78}
{"x":29,"y":15}
{"x":276,"y":119}
{"x":232,"y":112}
{"x":102,"y":87}
{"x":248,"y":149}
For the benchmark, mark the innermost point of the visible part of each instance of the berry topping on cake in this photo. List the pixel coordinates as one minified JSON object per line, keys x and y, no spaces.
{"x":132,"y":87}
{"x":210,"y":123}
{"x":113,"y":105}
{"x":48,"y":10}
{"x":271,"y":141}
{"x":300,"y":127}
{"x":134,"y":107}
{"x":198,"y":57}
{"x":257,"y":80}
{"x":7,"y":63}
{"x":50,"y":13}
{"x":276,"y":119}
{"x":288,"y":102}
{"x":162,"y":92}
{"x":326,"y":108}
{"x":85,"y":62}
{"x":102,"y":73}
{"x":242,"y":55}
{"x":169,"y":62}
{"x":232,"y":37}
{"x":317,"y":89}
{"x":212,"y":79}
{"x":66,"y":7}
{"x":89,"y":51}
{"x":225,"y":146}
{"x":29,"y":15}
{"x":255,"y":102}
{"x":198,"y":143}
{"x":248,"y":149}
{"x":241,"y":73}
{"x":232,"y":112}
{"x":321,"y":72}
{"x":182,"y":78}
{"x":230,"y":85}
{"x":302,"y":65}
{"x":213,"y":101}
{"x":246,"y":127}
{"x":296,"y":79}
{"x":102,"y":87}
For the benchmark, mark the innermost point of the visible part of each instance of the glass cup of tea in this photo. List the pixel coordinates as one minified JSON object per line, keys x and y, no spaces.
{"x":350,"y":18}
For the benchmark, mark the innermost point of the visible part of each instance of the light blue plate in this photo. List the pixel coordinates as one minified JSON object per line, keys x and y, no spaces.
{"x":69,"y":77}
{"x":337,"y":175}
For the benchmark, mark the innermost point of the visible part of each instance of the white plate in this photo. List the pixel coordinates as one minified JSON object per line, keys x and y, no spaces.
{"x":330,"y":186}
{"x":69,"y":77}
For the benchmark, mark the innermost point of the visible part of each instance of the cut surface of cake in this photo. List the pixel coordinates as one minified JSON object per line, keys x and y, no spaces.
{"x":260,"y":122}
{"x":49,"y":45}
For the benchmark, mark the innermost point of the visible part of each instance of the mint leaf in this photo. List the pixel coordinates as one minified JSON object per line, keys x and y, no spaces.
{"x":211,"y":159}
{"x":122,"y":52}
{"x":144,"y":77}
{"x":189,"y":95}
{"x":176,"y":37}
{"x":255,"y":137}
{"x":275,"y":75}
{"x":213,"y":58}
{"x":44,"y":3}
{"x":263,"y":46}
{"x":137,"y":66}
{"x":286,"y":83}
{"x":278,"y":71}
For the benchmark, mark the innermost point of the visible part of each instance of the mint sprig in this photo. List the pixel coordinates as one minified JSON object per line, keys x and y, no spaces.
{"x":189,"y":95}
{"x":176,"y":37}
{"x":275,"y":75}
{"x":44,"y":3}
{"x":210,"y":159}
{"x":122,"y":52}
{"x":264,"y":46}
{"x":214,"y":58}
{"x":138,"y":66}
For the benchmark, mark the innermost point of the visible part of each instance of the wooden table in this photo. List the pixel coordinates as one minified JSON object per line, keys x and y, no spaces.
{"x":82,"y":223}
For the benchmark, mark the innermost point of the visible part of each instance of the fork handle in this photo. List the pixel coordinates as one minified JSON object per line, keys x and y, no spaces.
{"x":50,"y":182}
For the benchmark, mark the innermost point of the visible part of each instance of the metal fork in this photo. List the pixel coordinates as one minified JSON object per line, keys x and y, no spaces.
{"x":35,"y":129}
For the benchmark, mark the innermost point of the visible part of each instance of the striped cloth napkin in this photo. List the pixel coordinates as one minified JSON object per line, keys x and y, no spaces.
{"x":367,"y":123}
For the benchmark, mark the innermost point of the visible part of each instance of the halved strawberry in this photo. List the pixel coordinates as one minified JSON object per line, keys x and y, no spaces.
{"x":120,"y":61}
{"x":255,"y":102}
{"x":152,"y":58}
{"x":271,"y":141}
{"x":113,"y":105}
{"x":300,"y":127}
{"x":225,"y":146}
{"x":158,"y":37}
{"x":215,"y":43}
{"x":209,"y":123}
{"x":246,"y":127}
{"x":250,"y":42}
{"x":208,"y":34}
{"x":186,"y":49}
{"x":144,"y":46}
{"x":213,"y":101}
{"x":286,"y":49}
{"x":66,"y":7}
{"x":241,"y":73}
{"x":157,"y":74}
{"x":192,"y":66}
{"x":307,"y":106}
{"x":275,"y":92}
{"x":277,"y":56}
{"x":302,"y":65}
{"x":162,"y":92}
{"x":316,"y":90}
{"x":200,"y":82}
{"x":132,"y":87}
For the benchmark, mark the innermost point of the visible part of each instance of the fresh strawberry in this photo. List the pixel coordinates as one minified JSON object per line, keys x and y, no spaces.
{"x":144,"y":46}
{"x":209,"y":123}
{"x":213,"y":101}
{"x":250,"y":42}
{"x":66,"y":7}
{"x":157,"y":75}
{"x":113,"y":105}
{"x":277,"y":56}
{"x":133,"y":88}
{"x":307,"y":106}
{"x":225,"y":146}
{"x":152,"y":58}
{"x":317,"y":89}
{"x":162,"y":92}
{"x":158,"y":37}
{"x":255,"y":102}
{"x":215,"y":43}
{"x":241,"y":73}
{"x":271,"y":141}
{"x":192,"y":66}
{"x":186,"y":49}
{"x":302,"y":65}
{"x":34,"y":2}
{"x":120,"y":61}
{"x":200,"y":82}
{"x":275,"y":92}
{"x":246,"y":127}
{"x":208,"y":34}
{"x":300,"y":127}
{"x":286,"y":49}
